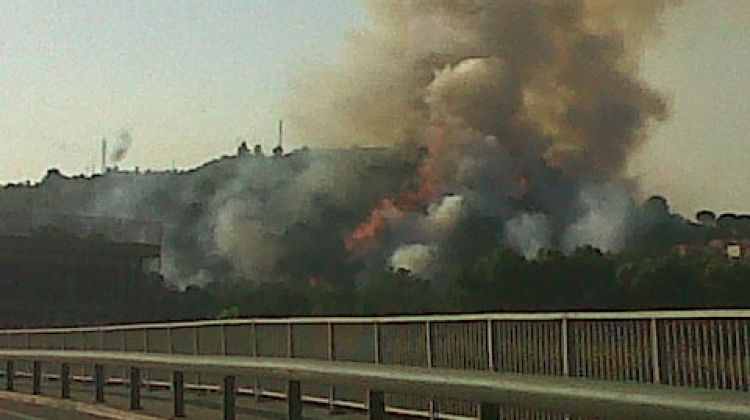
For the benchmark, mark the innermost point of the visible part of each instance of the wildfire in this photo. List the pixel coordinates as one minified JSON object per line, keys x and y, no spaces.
{"x":408,"y":201}
{"x":374,"y":223}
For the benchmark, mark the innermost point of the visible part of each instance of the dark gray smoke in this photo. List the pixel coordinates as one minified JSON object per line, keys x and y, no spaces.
{"x":529,"y":111}
{"x":508,"y":122}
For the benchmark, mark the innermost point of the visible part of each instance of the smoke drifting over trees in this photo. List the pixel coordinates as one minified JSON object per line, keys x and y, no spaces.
{"x":528,"y":111}
{"x":508,"y":123}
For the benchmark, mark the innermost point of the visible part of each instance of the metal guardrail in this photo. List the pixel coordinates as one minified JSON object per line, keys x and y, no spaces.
{"x":702,"y":349}
{"x":570,"y":395}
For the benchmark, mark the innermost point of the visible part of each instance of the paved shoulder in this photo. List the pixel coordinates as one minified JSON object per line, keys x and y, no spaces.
{"x":14,"y":410}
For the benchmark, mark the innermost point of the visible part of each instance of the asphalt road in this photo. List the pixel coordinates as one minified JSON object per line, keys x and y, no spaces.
{"x":12,"y":410}
{"x":157,"y":403}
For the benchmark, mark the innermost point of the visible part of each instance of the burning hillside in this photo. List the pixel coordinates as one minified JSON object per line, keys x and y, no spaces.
{"x":508,"y":123}
{"x":528,"y":112}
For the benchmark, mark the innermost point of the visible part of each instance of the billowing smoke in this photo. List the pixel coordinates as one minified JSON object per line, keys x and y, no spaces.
{"x":508,"y":122}
{"x":527,"y":110}
{"x":120,"y":146}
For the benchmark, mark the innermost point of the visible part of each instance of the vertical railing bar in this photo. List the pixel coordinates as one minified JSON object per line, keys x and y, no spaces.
{"x":501,"y":361}
{"x":722,"y":358}
{"x":626,"y":351}
{"x":691,"y":343}
{"x":747,"y":352}
{"x":714,"y":361}
{"x":516,"y":349}
{"x":696,"y":377}
{"x":644,"y":366}
{"x":699,"y":356}
{"x":586,"y":361}
{"x":540,"y":358}
{"x":705,"y":362}
{"x":600,"y":343}
{"x":529,"y":346}
{"x":678,"y":350}
{"x":376,"y":342}
{"x":738,"y":354}
{"x":617,"y":341}
{"x":223,"y":338}
{"x":730,"y":356}
{"x":289,"y":340}
{"x":428,"y":356}
{"x":683,"y":353}
{"x":522,"y":347}
{"x":635,"y":357}
{"x":579,"y":348}
{"x":170,"y":340}
{"x":655,"y":371}
{"x":608,"y":335}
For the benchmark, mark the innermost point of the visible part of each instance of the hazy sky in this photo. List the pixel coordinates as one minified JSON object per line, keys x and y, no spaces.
{"x":189,"y":77}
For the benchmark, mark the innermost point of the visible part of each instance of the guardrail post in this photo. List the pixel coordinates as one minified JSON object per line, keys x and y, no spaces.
{"x":331,"y":357}
{"x":257,"y":386}
{"x":36,"y":378}
{"x":229,"y":398}
{"x":376,"y":405}
{"x":135,"y":388}
{"x":99,"y":383}
{"x":655,"y":352}
{"x":178,"y":383}
{"x":65,"y":380}
{"x":488,"y":411}
{"x":294,"y":401}
{"x":10,"y":374}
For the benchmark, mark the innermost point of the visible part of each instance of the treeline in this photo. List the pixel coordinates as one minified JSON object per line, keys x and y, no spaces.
{"x":501,"y":280}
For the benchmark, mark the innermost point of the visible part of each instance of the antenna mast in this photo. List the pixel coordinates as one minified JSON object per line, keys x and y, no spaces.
{"x":281,"y":134}
{"x":104,"y":155}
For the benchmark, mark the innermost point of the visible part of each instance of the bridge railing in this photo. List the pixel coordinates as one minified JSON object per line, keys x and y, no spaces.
{"x":704,"y":349}
{"x":577,"y":396}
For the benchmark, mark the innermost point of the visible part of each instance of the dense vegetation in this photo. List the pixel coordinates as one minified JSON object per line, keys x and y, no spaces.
{"x":668,"y":263}
{"x":650,"y":273}
{"x":504,"y":281}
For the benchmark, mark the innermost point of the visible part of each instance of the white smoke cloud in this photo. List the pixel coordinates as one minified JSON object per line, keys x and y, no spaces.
{"x":607,"y":212}
{"x":419,"y":259}
{"x":528,"y":234}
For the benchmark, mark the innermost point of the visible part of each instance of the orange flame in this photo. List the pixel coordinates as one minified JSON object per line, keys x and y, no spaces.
{"x":374,"y":223}
{"x":362,"y":237}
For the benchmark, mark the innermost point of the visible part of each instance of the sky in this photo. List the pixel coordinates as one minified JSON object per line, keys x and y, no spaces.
{"x":188,"y":78}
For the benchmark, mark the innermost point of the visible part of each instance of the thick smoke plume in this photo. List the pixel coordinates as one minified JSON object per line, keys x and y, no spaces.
{"x":528,"y":110}
{"x":509,"y":122}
